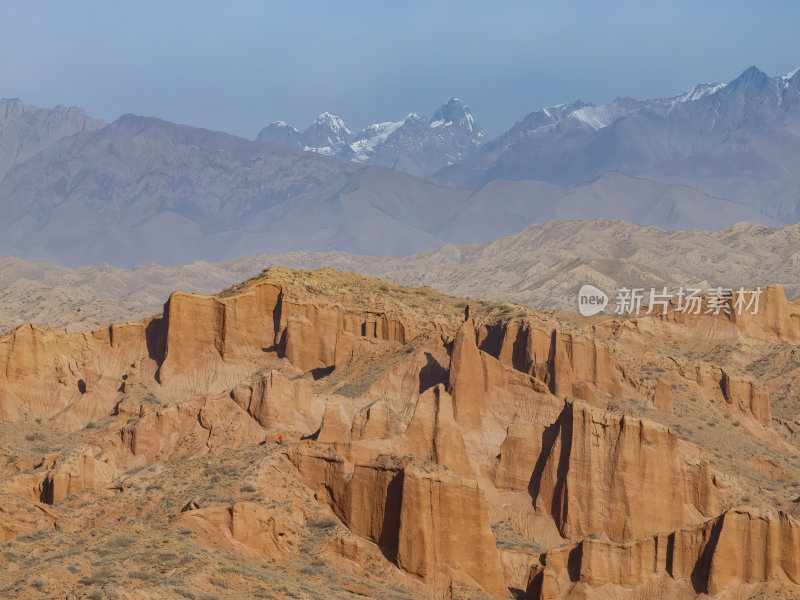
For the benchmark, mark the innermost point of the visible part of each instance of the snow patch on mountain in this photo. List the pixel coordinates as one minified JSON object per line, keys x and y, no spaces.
{"x":699,"y":91}
{"x":415,"y":144}
{"x":598,"y":117}
{"x":371,"y":137}
{"x":594,"y":117}
{"x":792,"y":74}
{"x":785,"y":80}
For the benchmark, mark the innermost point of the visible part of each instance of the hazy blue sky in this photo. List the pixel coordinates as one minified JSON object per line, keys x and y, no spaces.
{"x":236,"y":66}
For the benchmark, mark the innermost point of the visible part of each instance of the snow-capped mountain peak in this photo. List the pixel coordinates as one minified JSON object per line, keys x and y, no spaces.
{"x":333,"y":122}
{"x":452,"y":110}
{"x":369,"y":138}
{"x":283,"y":124}
{"x":414,"y":144}
{"x":598,"y":117}
{"x":327,"y":134}
{"x":423,"y":146}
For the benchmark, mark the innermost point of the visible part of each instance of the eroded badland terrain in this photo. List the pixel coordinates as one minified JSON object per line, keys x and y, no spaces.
{"x":316,"y":434}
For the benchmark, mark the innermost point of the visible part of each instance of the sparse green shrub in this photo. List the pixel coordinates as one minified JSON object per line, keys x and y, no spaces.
{"x":102,"y":577}
{"x":121,"y":541}
{"x":167,"y":556}
{"x":323,"y":523}
{"x":36,"y":535}
{"x":139,"y":574}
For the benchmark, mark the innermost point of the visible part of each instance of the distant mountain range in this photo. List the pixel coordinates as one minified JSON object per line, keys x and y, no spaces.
{"x":739,"y":141}
{"x":75,"y":190}
{"x":416,"y":145}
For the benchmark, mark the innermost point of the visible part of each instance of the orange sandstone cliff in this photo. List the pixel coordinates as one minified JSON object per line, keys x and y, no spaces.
{"x":323,"y":434}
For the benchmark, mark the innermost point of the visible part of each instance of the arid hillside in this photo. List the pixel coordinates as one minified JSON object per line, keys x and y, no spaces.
{"x":318,"y":434}
{"x":542,"y":268}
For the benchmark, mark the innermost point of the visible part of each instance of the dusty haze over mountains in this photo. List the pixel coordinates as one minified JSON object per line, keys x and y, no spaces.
{"x":76,"y":191}
{"x":542,"y":267}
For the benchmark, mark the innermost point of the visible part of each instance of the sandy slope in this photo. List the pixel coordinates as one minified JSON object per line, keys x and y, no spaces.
{"x":541,"y":267}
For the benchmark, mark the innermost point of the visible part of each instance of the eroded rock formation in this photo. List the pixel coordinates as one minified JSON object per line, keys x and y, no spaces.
{"x":451,"y":454}
{"x":274,"y":400}
{"x":737,"y":548}
{"x":612,"y":474}
{"x":415,"y":510}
